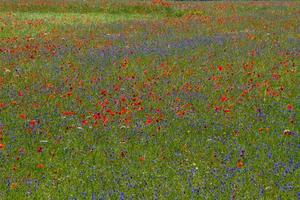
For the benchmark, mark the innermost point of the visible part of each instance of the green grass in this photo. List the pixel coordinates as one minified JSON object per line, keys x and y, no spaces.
{"x":45,"y":22}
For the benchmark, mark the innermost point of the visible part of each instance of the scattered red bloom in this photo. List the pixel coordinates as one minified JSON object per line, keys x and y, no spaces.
{"x":220,"y":68}
{"x":39,"y":149}
{"x":2,"y":105}
{"x":275,"y":76}
{"x":96,"y":116}
{"x":240,"y":164}
{"x":84,"y":122}
{"x":95,"y":123}
{"x":105,"y":120}
{"x":161,"y":3}
{"x":68,"y":113}
{"x":226,"y":110}
{"x":224,"y":98}
{"x":142,"y":158}
{"x":116,"y":88}
{"x":180,"y":113}
{"x":40,"y":166}
{"x":290,"y":107}
{"x":123,"y":111}
{"x":111,"y":113}
{"x":20,"y":93}
{"x":23,"y":116}
{"x":148,"y":121}
{"x":32,"y":123}
{"x":2,"y":146}
{"x":125,"y":62}
{"x":127,"y":121}
{"x":217,"y":108}
{"x":123,"y":99}
{"x":67,"y":94}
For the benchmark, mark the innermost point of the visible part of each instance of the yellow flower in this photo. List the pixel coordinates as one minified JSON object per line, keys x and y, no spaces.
{"x":13,"y":186}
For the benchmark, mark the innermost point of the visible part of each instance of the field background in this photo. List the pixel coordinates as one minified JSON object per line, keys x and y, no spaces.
{"x":149,"y":100}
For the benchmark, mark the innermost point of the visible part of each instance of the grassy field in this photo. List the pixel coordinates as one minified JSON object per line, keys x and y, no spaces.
{"x":149,"y":100}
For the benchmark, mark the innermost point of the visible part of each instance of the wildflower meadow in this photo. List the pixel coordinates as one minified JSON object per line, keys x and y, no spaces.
{"x":128,"y":99}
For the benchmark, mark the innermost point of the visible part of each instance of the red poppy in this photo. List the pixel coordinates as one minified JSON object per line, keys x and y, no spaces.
{"x":2,"y":146}
{"x":220,"y":68}
{"x":290,"y":107}
{"x":217,"y":108}
{"x":2,"y":105}
{"x":40,"y":166}
{"x":127,"y":121}
{"x":142,"y":158}
{"x":39,"y":149}
{"x":224,"y":98}
{"x":226,"y":110}
{"x":148,"y":121}
{"x":95,"y":123}
{"x":32,"y":123}
{"x":103,"y":92}
{"x":68,"y":113}
{"x":110,"y":112}
{"x":105,"y":120}
{"x":67,"y":94}
{"x":96,"y":116}
{"x":84,"y":122}
{"x":240,"y":164}
{"x":123,"y":111}
{"x":156,"y":1}
{"x":20,"y":93}
{"x":140,"y":108}
{"x":125,"y":62}
{"x":23,"y":116}
{"x":180,"y":113}
{"x":123,"y":99}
